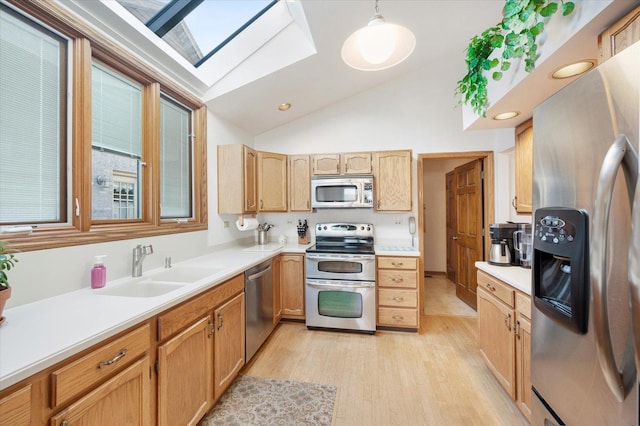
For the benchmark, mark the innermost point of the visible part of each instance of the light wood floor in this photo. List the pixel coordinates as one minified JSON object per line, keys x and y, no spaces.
{"x":434,"y":377}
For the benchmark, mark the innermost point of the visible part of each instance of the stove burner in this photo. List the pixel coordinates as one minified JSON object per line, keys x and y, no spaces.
{"x":345,"y":238}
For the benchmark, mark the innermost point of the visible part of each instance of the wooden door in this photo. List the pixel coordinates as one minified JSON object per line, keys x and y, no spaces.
{"x":469,"y":220}
{"x":250,"y":175}
{"x":452,"y":246}
{"x":299,"y":183}
{"x":272,"y":182}
{"x":356,"y":163}
{"x":326,"y":164}
{"x":123,"y":400}
{"x":392,"y":186}
{"x":292,"y":285}
{"x":185,"y":375}
{"x":228,"y":343}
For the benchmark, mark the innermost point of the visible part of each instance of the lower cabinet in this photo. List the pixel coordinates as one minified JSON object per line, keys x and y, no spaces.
{"x":398,"y":292}
{"x":292,"y":285}
{"x":122,"y":400}
{"x":228,"y":342}
{"x":15,"y":408}
{"x":504,"y":337}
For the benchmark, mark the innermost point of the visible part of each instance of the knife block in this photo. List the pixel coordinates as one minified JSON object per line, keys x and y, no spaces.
{"x":304,"y":239}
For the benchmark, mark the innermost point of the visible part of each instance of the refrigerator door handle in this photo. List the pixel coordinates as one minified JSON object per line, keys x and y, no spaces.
{"x":634,"y":275}
{"x":620,"y":154}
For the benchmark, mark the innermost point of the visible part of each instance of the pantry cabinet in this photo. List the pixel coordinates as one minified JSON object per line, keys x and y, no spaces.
{"x":504,"y":337}
{"x":229,"y":343}
{"x":523,"y":201}
{"x":299,"y":183}
{"x":292,"y":285}
{"x":398,"y":293}
{"x":620,"y":35}
{"x":272,"y":182}
{"x":392,"y":180}
{"x":237,"y":179}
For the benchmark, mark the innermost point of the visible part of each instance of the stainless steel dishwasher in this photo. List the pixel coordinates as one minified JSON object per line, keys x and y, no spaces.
{"x":258,"y":293}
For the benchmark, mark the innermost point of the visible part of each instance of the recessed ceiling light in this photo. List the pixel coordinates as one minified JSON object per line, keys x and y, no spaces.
{"x":506,"y":115}
{"x":574,"y":69}
{"x":284,"y":107}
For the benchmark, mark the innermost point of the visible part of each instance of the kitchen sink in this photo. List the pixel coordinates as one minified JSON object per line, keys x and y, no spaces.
{"x":140,"y":288}
{"x":183,"y":274}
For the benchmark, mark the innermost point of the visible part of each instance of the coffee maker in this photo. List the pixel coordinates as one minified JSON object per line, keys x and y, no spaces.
{"x":502,"y":252}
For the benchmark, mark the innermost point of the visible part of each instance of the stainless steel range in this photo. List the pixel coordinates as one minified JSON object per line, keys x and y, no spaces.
{"x":341,"y":278}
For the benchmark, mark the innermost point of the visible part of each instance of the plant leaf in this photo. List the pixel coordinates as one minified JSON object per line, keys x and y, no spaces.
{"x":567,"y":8}
{"x":505,"y":65}
{"x":549,"y":9}
{"x":497,"y":75}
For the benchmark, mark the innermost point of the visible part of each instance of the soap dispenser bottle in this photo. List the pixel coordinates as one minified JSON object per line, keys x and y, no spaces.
{"x":98,"y":272}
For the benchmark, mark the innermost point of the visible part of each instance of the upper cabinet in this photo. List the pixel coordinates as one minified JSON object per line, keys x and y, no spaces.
{"x":392,"y":180}
{"x":523,"y":201}
{"x":620,"y":35}
{"x":353,"y":163}
{"x":272,"y":182}
{"x":299,"y":183}
{"x":237,"y":172}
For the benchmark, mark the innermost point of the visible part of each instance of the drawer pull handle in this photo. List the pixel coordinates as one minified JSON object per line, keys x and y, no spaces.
{"x":397,"y":263}
{"x":397,"y":280}
{"x":397,"y":317}
{"x":220,"y":321}
{"x":398,"y":299}
{"x":516,"y":329}
{"x":113,"y":360}
{"x":490,"y":287}
{"x":211,"y":329}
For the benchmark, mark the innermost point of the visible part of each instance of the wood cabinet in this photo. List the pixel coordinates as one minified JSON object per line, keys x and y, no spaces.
{"x":272,"y":182}
{"x":504,"y":337}
{"x":392,"y":180}
{"x":351,"y":163}
{"x":201,"y":350}
{"x":277,"y":293}
{"x":15,"y":408}
{"x":523,"y":201}
{"x":620,"y":35}
{"x":229,"y":343}
{"x":185,"y":375}
{"x":398,"y":293}
{"x":299,"y":183}
{"x":122,"y":400}
{"x":292,"y":285}
{"x":237,"y":179}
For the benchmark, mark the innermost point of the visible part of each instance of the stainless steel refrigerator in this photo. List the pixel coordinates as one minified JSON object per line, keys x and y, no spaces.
{"x":586,"y":273}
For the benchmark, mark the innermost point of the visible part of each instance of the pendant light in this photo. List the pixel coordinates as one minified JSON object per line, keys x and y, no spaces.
{"x":379,"y":45}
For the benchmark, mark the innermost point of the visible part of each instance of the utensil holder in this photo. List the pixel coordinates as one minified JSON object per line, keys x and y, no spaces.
{"x":263,"y":238}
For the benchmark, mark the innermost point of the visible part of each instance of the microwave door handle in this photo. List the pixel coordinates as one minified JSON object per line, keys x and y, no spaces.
{"x":620,"y":154}
{"x":634,"y":275}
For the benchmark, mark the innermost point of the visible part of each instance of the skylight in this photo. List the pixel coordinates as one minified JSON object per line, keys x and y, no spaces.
{"x":197,"y":29}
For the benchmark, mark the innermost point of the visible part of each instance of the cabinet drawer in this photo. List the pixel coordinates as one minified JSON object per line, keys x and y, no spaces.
{"x":523,"y":304}
{"x":497,"y":288}
{"x":397,"y":298}
{"x":406,"y":279}
{"x":398,"y":317}
{"x":193,"y":309}
{"x":76,"y":378}
{"x":397,"y":263}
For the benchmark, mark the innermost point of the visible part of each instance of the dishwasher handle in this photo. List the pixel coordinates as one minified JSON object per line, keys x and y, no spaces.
{"x":257,"y":275}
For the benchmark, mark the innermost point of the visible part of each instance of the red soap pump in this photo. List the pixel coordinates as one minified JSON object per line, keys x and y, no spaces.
{"x":98,"y":272}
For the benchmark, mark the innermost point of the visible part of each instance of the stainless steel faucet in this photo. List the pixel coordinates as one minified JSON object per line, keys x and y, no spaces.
{"x":139,"y":253}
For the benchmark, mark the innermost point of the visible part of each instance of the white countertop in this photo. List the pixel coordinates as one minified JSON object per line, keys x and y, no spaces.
{"x":515,"y":276}
{"x":393,"y":250}
{"x":37,"y":335}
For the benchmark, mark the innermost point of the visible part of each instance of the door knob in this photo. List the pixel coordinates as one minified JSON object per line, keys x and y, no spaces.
{"x":454,"y":238}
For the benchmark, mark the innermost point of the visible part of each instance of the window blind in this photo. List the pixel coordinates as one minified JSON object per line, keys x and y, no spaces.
{"x":32,"y":113}
{"x":175,"y":160}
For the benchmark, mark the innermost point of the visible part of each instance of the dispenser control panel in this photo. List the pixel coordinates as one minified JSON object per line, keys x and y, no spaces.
{"x":555,"y":229}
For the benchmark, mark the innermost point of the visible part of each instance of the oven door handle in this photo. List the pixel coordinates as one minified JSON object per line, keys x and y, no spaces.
{"x":341,"y":284}
{"x":348,"y":258}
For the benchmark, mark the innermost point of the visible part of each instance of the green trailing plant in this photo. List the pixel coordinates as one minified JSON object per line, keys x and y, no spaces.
{"x":7,"y":261}
{"x":516,"y":35}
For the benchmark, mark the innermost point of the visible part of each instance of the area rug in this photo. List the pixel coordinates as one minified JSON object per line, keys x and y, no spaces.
{"x":263,"y":401}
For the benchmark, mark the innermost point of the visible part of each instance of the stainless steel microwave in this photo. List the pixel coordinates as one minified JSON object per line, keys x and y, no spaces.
{"x":339,"y":192}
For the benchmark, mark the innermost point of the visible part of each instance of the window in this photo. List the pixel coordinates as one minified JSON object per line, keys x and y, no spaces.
{"x":131,"y":158}
{"x":33,"y":138}
{"x":175,"y":160}
{"x":116,"y":136}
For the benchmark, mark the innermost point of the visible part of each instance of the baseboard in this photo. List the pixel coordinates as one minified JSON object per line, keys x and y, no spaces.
{"x":432,"y":273}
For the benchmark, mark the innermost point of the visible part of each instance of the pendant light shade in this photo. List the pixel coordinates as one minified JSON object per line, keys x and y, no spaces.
{"x":378,"y":46}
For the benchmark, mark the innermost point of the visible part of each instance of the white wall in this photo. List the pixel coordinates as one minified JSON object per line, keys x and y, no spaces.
{"x":416,"y":112}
